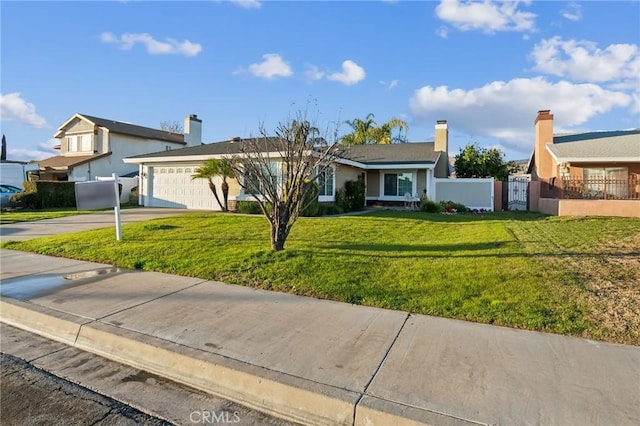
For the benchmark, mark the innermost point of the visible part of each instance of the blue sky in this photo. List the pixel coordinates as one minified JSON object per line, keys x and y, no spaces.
{"x":486,"y":67}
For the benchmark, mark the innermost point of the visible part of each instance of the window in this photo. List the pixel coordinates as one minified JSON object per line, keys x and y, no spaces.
{"x":85,"y":143}
{"x":72,"y":144}
{"x":615,"y":179}
{"x":80,"y":143}
{"x":397,"y":184}
{"x":254,"y":185}
{"x":325,"y":181}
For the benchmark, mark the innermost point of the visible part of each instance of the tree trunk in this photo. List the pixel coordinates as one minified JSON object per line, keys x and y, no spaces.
{"x":225,"y":195}
{"x":212,"y":187}
{"x":279,"y":231}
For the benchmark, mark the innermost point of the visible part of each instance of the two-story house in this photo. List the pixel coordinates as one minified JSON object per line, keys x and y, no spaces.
{"x":92,"y":146}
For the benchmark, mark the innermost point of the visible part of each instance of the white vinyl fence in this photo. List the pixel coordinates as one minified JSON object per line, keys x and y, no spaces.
{"x":473,"y":193}
{"x":127,"y":185}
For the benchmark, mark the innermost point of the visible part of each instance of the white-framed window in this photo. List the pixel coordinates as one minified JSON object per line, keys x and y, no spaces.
{"x":80,"y":143}
{"x":396,"y":184}
{"x":326,"y":181}
{"x":86,"y":144}
{"x":254,"y":185}
{"x":72,"y":144}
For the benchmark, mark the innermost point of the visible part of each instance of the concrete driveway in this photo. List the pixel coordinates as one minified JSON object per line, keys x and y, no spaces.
{"x":42,"y":228}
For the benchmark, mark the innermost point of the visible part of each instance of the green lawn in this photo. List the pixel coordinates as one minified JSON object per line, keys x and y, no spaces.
{"x":520,"y":270}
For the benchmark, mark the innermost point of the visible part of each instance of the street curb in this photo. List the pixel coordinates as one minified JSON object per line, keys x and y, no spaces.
{"x":46,"y":322}
{"x":376,"y":411}
{"x":279,"y":394}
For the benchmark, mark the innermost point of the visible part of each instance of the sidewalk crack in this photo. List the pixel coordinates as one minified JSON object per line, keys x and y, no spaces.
{"x":375,"y":373}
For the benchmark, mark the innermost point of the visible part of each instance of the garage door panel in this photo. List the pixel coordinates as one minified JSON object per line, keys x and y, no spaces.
{"x":173,"y":187}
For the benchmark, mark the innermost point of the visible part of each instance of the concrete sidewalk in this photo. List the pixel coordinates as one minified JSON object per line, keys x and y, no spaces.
{"x":320,"y":362}
{"x":42,"y":228}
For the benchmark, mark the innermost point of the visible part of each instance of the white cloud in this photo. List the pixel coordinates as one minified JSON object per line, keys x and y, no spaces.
{"x":45,"y":150}
{"x":572,"y":12}
{"x":351,"y":74}
{"x":273,"y":66}
{"x":506,"y":110}
{"x":14,"y":108}
{"x":247,"y":4}
{"x":584,"y":61}
{"x":442,"y":32}
{"x":154,"y":47}
{"x":487,"y":16}
{"x":392,"y":85}
{"x":313,"y":73}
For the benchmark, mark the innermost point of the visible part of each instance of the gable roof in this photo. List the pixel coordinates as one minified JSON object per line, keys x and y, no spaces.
{"x":405,"y":153}
{"x":61,"y":162}
{"x":228,"y":147}
{"x":126,"y":129}
{"x":618,"y":146}
{"x":411,"y":152}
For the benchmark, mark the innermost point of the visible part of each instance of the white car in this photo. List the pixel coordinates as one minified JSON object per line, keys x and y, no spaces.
{"x":6,"y":191}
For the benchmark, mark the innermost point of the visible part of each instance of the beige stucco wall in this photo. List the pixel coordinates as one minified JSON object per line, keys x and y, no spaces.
{"x":345,"y":173}
{"x":624,"y":208}
{"x":557,"y":207}
{"x":548,"y":206}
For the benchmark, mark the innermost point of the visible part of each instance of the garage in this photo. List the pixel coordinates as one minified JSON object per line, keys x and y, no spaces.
{"x":172,"y":186}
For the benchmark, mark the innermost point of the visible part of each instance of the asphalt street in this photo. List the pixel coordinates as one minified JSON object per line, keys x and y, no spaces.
{"x":44,"y":382}
{"x":31,"y":396}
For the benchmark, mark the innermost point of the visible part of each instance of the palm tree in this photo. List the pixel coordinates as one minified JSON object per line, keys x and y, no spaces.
{"x":212,"y":168}
{"x":367,"y":131}
{"x":386,"y":129}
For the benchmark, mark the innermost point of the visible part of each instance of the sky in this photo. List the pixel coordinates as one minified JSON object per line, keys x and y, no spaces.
{"x":486,"y":67}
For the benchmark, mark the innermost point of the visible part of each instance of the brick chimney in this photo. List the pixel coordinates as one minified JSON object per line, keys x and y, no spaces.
{"x":545,"y":167}
{"x":441,"y":145}
{"x":192,"y":130}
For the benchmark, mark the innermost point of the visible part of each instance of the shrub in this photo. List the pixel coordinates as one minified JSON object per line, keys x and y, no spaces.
{"x":352,"y":197}
{"x":429,"y":206}
{"x":25,"y":200}
{"x":311,"y":201}
{"x":47,"y":194}
{"x":328,"y":209}
{"x":453,"y":207}
{"x":133,"y":197}
{"x":249,"y":207}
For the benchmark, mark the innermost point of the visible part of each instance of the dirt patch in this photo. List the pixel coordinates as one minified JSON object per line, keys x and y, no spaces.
{"x":612,"y":281}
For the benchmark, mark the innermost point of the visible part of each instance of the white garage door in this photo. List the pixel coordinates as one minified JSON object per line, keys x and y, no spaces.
{"x":173,"y":187}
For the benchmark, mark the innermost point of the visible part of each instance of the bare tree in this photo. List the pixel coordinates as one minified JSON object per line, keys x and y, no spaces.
{"x":280,"y":171}
{"x":171,"y":126}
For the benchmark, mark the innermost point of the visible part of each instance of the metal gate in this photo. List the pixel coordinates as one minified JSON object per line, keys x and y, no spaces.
{"x":518,"y":192}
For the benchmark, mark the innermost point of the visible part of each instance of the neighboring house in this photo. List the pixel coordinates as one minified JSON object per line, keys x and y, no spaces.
{"x":592,"y":173}
{"x":389,"y":172}
{"x":92,"y":146}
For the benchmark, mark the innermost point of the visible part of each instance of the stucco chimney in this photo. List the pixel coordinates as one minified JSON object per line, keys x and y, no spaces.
{"x":441,"y":145}
{"x":192,"y":130}
{"x":544,"y":163}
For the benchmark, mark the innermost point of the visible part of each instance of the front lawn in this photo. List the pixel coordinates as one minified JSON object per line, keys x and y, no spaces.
{"x":573,"y":276}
